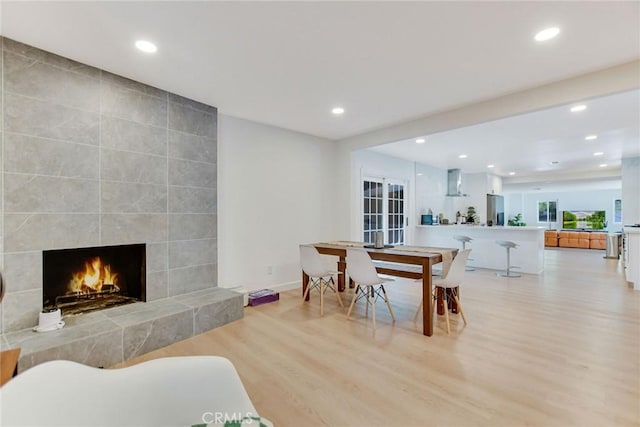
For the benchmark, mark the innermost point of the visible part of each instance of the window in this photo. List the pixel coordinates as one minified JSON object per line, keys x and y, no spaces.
{"x":547,"y":211}
{"x":383,"y":205}
{"x":617,"y":211}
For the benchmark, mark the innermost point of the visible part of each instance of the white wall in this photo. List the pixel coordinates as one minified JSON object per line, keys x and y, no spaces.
{"x":631,"y":190}
{"x":277,"y":189}
{"x":431,"y":188}
{"x":373,"y":164}
{"x":599,"y":83}
{"x":527,"y":204}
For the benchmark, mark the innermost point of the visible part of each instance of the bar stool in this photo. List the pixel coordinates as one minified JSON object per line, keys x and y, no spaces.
{"x":508,"y":246}
{"x":464,"y":240}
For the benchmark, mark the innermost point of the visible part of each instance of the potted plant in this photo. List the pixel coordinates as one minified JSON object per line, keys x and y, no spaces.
{"x":516,"y":221}
{"x":472,"y":217}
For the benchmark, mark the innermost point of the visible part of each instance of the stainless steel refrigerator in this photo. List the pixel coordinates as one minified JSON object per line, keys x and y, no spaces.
{"x":495,"y":210}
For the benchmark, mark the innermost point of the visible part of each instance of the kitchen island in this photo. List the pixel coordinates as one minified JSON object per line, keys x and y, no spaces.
{"x":485,"y":253}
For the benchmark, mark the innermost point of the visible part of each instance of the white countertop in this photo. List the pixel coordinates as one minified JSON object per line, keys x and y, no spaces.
{"x":481,"y":227}
{"x":632,"y":230}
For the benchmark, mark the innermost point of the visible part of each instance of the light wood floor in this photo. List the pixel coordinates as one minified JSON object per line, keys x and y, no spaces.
{"x":558,"y":349}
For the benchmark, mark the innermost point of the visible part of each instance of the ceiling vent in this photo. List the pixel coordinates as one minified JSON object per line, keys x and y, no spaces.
{"x":454,"y":183}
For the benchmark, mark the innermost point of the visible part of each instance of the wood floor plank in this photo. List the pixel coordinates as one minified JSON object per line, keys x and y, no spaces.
{"x":558,"y":349}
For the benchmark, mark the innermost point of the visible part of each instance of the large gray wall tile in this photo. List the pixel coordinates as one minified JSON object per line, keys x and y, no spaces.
{"x":125,"y":83}
{"x":145,"y":337}
{"x":157,"y":256}
{"x":20,"y":309}
{"x":131,"y":136}
{"x":190,"y":279}
{"x":157,"y":287}
{"x":23,"y":271}
{"x":190,"y":120}
{"x":100,"y":350}
{"x":192,"y":200}
{"x":192,"y":147}
{"x":187,"y":102}
{"x":133,"y":228}
{"x":123,"y":197}
{"x":125,"y":166}
{"x":47,"y":119}
{"x":185,"y":253}
{"x":133,"y":105}
{"x":28,"y":154}
{"x":192,"y":174}
{"x":50,"y":58}
{"x":30,"y":77}
{"x":207,"y":317}
{"x":192,"y":226}
{"x":36,"y":193}
{"x":31,"y":232}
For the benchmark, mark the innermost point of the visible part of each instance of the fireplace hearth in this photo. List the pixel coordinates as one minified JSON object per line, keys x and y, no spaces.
{"x":87,"y":279}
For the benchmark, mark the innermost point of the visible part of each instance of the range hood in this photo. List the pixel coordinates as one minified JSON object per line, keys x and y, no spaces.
{"x":454,"y":183}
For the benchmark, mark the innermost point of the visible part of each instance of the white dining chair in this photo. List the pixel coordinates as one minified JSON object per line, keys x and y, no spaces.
{"x":369,"y":283}
{"x":320,"y":277}
{"x":447,"y":285}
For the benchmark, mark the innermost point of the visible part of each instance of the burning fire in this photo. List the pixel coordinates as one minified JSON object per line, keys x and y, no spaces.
{"x":94,"y":276}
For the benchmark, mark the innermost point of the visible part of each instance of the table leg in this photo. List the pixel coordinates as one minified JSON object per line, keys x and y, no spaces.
{"x":305,"y":283}
{"x":342,"y":268}
{"x":427,"y":300}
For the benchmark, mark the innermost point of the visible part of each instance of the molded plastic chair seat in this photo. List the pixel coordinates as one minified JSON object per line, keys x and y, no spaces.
{"x":369,"y":284}
{"x":464,"y":240}
{"x":508,"y":246}
{"x":319,"y":276}
{"x":448,"y":285}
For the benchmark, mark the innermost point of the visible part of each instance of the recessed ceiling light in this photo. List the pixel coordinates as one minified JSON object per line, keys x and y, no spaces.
{"x":490,"y":166}
{"x":420,"y":141}
{"x":338,"y":110}
{"x":591,"y":137}
{"x":555,"y":162}
{"x":603,"y":165}
{"x":598,"y":153}
{"x":578,"y":108}
{"x":462,"y":156}
{"x":419,"y":174}
{"x":146,"y":46}
{"x":512,"y":173}
{"x":547,"y":34}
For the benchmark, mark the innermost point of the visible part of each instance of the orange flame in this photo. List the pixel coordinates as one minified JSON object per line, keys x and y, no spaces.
{"x":93,"y":277}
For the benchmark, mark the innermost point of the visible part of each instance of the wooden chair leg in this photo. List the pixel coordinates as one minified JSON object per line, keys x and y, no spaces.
{"x":306,"y":291}
{"x":415,"y":316}
{"x":366,"y":307}
{"x":322,"y":289}
{"x":373,"y":307}
{"x":464,"y":319}
{"x":337,"y":294}
{"x":353,"y":301}
{"x":386,"y":299}
{"x":446,"y":311}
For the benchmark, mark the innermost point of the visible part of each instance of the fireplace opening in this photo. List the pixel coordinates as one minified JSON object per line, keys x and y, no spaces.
{"x":87,"y":279}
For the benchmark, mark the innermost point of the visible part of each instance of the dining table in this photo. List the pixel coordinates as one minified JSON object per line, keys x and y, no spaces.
{"x":413,"y":262}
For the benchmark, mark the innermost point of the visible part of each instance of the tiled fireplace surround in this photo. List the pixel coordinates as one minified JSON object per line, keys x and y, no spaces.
{"x":89,"y":158}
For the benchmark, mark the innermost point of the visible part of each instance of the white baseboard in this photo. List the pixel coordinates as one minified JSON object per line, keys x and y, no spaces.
{"x":282,"y":287}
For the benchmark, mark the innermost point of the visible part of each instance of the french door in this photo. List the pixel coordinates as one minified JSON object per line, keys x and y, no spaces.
{"x":383,"y":209}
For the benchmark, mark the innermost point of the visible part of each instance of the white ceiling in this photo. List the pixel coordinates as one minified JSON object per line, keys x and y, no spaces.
{"x":527,"y":145}
{"x":288,"y":63}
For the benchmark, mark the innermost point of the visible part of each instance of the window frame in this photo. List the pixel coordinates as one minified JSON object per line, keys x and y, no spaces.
{"x":548,"y":211}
